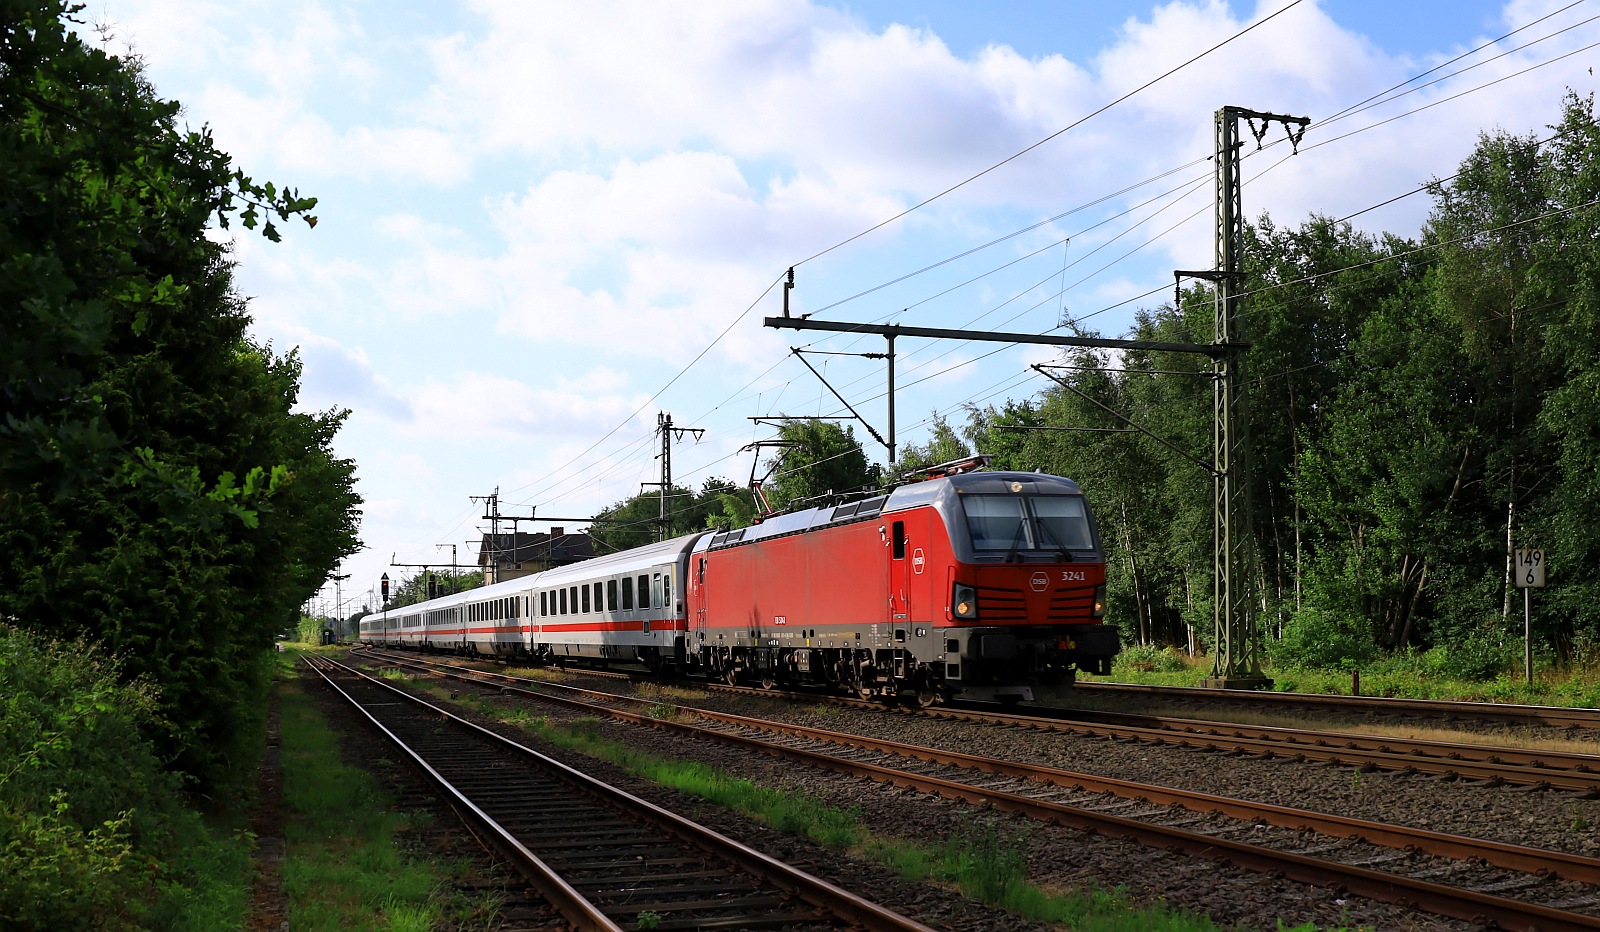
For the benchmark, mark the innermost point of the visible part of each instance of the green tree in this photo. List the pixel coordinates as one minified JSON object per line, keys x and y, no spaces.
{"x":824,"y":459}
{"x":158,"y":491}
{"x":636,"y":521}
{"x":414,"y":589}
{"x":943,"y":446}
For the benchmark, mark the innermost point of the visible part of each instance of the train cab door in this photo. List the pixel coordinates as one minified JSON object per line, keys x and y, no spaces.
{"x":909,"y":569}
{"x":700,"y":596}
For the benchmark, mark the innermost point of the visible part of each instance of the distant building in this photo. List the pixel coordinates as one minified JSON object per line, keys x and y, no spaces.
{"x":511,"y":556}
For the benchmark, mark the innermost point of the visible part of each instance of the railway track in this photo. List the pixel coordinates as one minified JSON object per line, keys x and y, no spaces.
{"x":1559,"y":770}
{"x":605,"y":859}
{"x":1493,"y":712}
{"x":1547,"y":769}
{"x":1464,"y":878}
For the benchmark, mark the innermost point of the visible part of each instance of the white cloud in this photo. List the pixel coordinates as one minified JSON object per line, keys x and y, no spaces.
{"x":489,"y":406}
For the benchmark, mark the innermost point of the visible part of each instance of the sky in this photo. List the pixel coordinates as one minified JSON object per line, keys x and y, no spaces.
{"x":542,"y":224}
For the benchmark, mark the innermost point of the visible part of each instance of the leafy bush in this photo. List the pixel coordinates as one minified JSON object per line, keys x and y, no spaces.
{"x":1318,"y":639}
{"x":1151,"y":658}
{"x":90,"y":820}
{"x":1481,"y":655}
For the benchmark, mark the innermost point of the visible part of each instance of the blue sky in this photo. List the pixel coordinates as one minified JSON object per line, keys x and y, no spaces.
{"x":533,"y":217}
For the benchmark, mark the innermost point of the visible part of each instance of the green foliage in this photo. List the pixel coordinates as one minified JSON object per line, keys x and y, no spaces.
{"x":1414,"y":406}
{"x":1151,"y":658}
{"x":637,"y":521}
{"x":1322,"y":639}
{"x":415,"y":588}
{"x":93,"y":830}
{"x":825,"y":459}
{"x":158,"y":491}
{"x":942,"y":447}
{"x":1478,"y":656}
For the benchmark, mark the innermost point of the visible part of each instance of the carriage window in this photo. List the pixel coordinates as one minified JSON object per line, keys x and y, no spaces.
{"x":666,"y":589}
{"x":611,"y":595}
{"x":644,"y":591}
{"x":563,"y":601}
{"x":627,"y":593}
{"x":586,"y":600}
{"x":655,"y":591}
{"x":574,"y":592}
{"x":544,"y":605}
{"x":599,"y":598}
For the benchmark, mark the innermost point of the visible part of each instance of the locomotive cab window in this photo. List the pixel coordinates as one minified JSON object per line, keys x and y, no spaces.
{"x":1014,"y":523}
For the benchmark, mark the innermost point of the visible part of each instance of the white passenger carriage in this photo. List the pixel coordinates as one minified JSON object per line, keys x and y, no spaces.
{"x":625,"y":607}
{"x":491,"y":621}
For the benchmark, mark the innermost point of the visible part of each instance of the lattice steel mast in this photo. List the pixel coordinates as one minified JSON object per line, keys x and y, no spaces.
{"x":1237,"y":646}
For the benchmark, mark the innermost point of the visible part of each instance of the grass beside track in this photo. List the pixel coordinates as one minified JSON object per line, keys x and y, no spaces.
{"x":346,"y":864}
{"x":1400,"y":676}
{"x":981,"y":862}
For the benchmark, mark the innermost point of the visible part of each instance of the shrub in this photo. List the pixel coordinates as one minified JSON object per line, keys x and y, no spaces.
{"x":1479,"y":655}
{"x":1318,"y":639}
{"x":1151,"y":658}
{"x":88,"y":815}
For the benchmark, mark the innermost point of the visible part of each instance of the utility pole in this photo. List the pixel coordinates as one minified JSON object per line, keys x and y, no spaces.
{"x":668,"y":433}
{"x":453,"y":570}
{"x":493,"y":502}
{"x":1237,"y":644}
{"x":887,"y":355}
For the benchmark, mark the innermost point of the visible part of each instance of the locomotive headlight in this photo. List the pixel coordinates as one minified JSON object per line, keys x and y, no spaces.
{"x":964,"y":602}
{"x":1100,"y":600}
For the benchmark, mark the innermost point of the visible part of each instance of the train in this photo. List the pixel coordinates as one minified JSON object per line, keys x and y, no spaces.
{"x":983,"y":585}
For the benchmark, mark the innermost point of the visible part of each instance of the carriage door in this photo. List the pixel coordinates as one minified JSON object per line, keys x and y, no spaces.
{"x":701,"y":597}
{"x":910,"y":591}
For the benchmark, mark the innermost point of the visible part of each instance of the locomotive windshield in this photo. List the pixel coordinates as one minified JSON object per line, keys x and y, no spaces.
{"x":1013,"y":523}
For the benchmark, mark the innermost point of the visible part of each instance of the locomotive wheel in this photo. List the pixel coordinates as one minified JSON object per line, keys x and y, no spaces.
{"x":730,"y":675}
{"x":768,"y":680}
{"x":926,"y":695}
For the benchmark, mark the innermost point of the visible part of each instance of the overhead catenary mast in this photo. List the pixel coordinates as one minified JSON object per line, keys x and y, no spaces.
{"x":1236,"y":650}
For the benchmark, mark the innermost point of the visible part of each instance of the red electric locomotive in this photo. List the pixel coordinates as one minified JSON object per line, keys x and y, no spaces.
{"x":986,"y":585}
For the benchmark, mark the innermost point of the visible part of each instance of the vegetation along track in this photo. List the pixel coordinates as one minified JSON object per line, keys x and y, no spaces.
{"x":605,"y":859}
{"x":1452,"y":878}
{"x":1436,"y":709}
